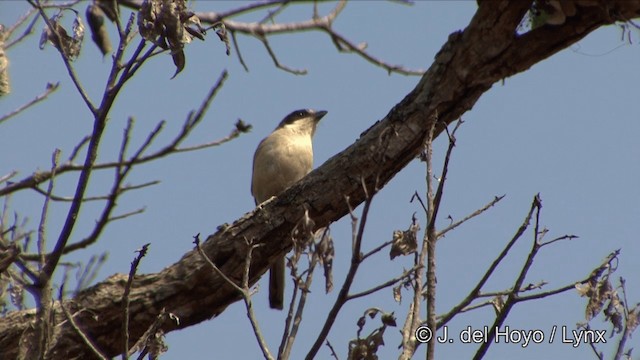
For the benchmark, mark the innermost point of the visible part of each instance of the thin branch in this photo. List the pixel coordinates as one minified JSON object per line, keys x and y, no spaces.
{"x":333,"y":351}
{"x":286,"y":338}
{"x":45,"y":207}
{"x":189,"y":125}
{"x":510,"y":302}
{"x":151,"y":332}
{"x":127,"y":214}
{"x":270,"y":17}
{"x":28,"y":30}
{"x":78,"y":147}
{"x":249,"y":8}
{"x":341,"y":42}
{"x":476,"y":290}
{"x":232,"y":135}
{"x":564,"y":237}
{"x":196,"y":240}
{"x":356,"y":260}
{"x":92,"y":152}
{"x":101,"y":197}
{"x":72,"y":73}
{"x":88,"y":272}
{"x":244,"y":291}
{"x":630,"y":324}
{"x":454,"y":225}
{"x":289,"y":336}
{"x":49,"y":89}
{"x":324,"y":24}
{"x":377,"y":249}
{"x":475,"y":306}
{"x":604,"y":265}
{"x":125,"y":299}
{"x":8,"y":176}
{"x":429,"y":244}
{"x":85,"y":339}
{"x":236,"y":46}
{"x":277,"y":63}
{"x":384,"y":285}
{"x":523,"y":290}
{"x":120,"y":175}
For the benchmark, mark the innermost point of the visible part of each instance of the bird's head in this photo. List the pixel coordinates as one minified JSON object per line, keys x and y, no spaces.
{"x":302,"y":121}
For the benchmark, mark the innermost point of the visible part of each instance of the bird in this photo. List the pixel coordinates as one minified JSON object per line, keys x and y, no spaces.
{"x":281,"y":159}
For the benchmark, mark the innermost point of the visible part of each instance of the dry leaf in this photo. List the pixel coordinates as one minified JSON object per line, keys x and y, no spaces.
{"x":388,"y":319}
{"x":166,"y":23}
{"x":5,"y":83}
{"x":221,"y":31}
{"x":99,"y":34}
{"x":633,"y":319}
{"x":405,"y":242}
{"x":397,"y":293}
{"x":69,"y":46}
{"x":109,"y":8}
{"x":498,"y":304}
{"x":327,"y":253}
{"x":583,"y":289}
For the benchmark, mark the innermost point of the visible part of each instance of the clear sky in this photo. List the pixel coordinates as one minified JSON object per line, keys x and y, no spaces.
{"x":568,"y":129}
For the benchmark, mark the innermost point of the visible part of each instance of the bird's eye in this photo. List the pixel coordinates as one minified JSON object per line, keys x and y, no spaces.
{"x":300,"y":113}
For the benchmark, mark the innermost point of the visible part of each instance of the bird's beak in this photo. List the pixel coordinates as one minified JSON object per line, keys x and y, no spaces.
{"x":320,"y":115}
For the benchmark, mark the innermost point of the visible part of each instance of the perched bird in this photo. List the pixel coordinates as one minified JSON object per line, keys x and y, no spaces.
{"x":281,"y":159}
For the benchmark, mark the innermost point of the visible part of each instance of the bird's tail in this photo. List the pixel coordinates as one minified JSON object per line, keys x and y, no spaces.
{"x":276,"y":284}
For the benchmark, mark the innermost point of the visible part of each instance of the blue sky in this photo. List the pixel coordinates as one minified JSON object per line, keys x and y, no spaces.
{"x":566,"y":129}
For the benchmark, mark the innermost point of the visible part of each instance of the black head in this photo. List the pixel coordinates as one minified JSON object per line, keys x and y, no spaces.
{"x":302,"y":114}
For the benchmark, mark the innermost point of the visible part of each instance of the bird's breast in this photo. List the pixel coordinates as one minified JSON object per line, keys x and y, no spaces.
{"x":280,"y":161}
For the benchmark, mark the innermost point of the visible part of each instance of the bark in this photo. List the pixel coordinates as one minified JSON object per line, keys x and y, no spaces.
{"x":468,"y":64}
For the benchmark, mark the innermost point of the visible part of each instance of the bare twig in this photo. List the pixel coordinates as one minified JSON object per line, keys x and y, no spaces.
{"x":270,"y":17}
{"x":72,"y":73}
{"x":429,"y":244}
{"x":190,"y":123}
{"x":85,"y":339}
{"x":294,"y":318}
{"x":88,"y":271}
{"x":121,"y":190}
{"x":196,"y":241}
{"x":444,"y":319}
{"x":244,"y":291}
{"x":45,"y":207}
{"x":125,"y":299}
{"x":454,"y":225}
{"x":277,"y":63}
{"x":510,"y":302}
{"x":123,"y":167}
{"x":127,"y":214}
{"x":78,"y":147}
{"x":8,"y":176}
{"x":333,"y":351}
{"x":28,"y":30}
{"x":42,"y":287}
{"x":631,"y":320}
{"x":564,"y":237}
{"x":237,"y":48}
{"x":49,"y":89}
{"x":384,"y":285}
{"x":376,"y":249}
{"x":356,"y":260}
{"x":291,"y":329}
{"x":152,"y":333}
{"x":262,"y":30}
